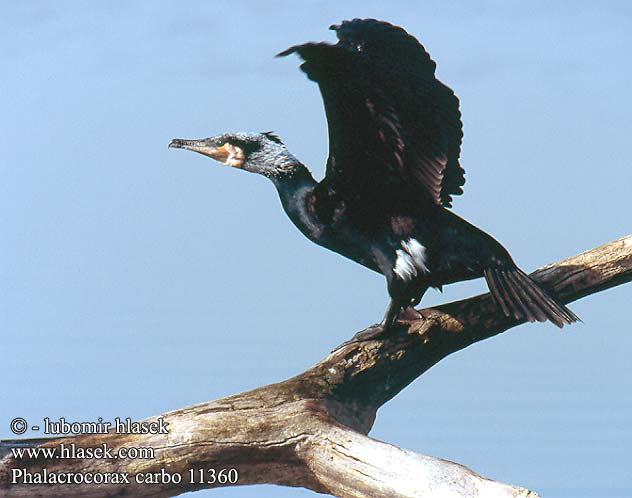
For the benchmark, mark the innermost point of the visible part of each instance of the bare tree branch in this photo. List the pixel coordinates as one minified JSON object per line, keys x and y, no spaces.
{"x":310,"y":430}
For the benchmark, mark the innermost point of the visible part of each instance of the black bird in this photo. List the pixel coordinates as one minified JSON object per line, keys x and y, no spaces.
{"x":394,"y":142}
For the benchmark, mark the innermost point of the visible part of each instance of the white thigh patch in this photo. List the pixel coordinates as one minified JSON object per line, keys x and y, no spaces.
{"x":411,"y":260}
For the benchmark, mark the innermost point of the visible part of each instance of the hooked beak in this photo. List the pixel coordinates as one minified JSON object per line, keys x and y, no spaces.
{"x":202,"y":147}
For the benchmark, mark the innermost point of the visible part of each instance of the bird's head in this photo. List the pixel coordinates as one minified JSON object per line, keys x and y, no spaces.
{"x":262,"y":153}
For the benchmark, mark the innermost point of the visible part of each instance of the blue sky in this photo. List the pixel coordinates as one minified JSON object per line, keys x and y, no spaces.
{"x":136,"y":279}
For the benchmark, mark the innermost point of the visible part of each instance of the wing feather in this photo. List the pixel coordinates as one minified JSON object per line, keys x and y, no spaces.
{"x":394,"y":130}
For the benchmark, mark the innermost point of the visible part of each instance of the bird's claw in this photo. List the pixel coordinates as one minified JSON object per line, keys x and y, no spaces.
{"x":369,"y":334}
{"x":409,"y":314}
{"x":378,"y":330}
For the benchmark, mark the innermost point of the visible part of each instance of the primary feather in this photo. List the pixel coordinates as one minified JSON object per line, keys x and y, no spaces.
{"x":395,"y":136}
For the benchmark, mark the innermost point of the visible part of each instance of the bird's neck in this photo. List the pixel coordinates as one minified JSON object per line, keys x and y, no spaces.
{"x":294,"y":187}
{"x":293,"y":182}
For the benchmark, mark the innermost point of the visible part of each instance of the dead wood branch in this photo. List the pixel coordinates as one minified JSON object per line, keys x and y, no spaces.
{"x":311,"y":430}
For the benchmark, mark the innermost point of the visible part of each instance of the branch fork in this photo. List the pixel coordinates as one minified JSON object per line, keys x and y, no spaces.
{"x":311,"y":430}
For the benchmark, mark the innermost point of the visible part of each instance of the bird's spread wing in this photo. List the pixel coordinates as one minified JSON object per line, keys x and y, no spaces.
{"x":394,"y":130}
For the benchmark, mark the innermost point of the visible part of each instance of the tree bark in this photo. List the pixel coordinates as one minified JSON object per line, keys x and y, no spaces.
{"x":311,"y":430}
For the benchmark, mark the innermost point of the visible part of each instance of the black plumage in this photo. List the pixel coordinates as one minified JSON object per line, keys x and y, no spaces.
{"x":395,"y":137}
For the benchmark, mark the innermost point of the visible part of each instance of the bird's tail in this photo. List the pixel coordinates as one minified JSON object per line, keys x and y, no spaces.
{"x":523,"y":299}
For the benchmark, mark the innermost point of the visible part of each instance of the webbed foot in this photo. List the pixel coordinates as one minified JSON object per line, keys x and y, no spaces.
{"x":409,"y":314}
{"x":371,"y":333}
{"x":393,"y":313}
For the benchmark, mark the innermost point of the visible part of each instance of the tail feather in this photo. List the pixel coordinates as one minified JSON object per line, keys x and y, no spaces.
{"x":511,"y":300}
{"x":566,"y":313}
{"x":529,"y":295}
{"x":521,"y":302}
{"x":523,"y":299}
{"x":497,"y":293}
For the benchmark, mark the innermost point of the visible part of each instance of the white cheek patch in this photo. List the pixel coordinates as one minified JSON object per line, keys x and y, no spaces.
{"x":411,"y":260}
{"x":235,"y":156}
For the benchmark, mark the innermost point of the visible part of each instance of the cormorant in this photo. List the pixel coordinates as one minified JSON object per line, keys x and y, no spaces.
{"x":394,"y":143}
